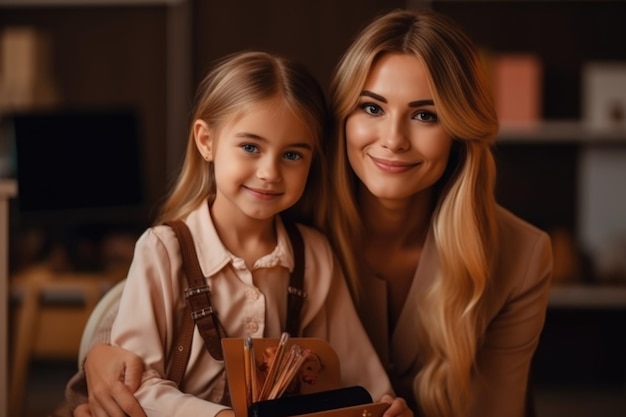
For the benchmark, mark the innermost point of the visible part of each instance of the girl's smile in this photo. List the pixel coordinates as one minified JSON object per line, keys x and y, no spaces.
{"x":261,"y":161}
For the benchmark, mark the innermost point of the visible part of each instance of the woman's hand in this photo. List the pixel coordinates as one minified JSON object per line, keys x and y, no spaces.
{"x":113,"y":375}
{"x":397,"y":408}
{"x":83,"y":410}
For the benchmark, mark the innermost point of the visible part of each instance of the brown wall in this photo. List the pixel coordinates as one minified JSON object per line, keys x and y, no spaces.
{"x":112,"y":55}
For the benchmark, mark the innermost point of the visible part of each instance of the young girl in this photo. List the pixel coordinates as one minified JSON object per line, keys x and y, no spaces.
{"x":254,"y":148}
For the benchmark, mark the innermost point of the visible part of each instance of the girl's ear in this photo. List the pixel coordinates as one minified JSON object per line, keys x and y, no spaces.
{"x":203,"y":136}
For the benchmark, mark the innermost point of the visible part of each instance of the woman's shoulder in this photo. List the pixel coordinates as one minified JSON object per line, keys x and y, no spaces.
{"x":511,"y":225}
{"x":524,"y":250}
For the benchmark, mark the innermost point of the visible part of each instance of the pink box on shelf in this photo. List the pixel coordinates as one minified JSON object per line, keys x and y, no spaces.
{"x":517,"y":87}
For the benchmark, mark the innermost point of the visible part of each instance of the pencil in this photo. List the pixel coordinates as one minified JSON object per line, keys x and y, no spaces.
{"x":271,"y":374}
{"x":249,"y":382}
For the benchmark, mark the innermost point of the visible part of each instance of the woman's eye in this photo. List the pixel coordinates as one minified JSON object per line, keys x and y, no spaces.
{"x":426,"y":116}
{"x":372,"y":109}
{"x":249,"y":148}
{"x":292,"y":156}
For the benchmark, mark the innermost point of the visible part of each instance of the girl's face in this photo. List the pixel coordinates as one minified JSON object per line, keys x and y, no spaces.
{"x":261,"y":160}
{"x":395,"y":143}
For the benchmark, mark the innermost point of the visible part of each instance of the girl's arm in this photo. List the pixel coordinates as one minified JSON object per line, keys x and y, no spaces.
{"x":151,"y":309}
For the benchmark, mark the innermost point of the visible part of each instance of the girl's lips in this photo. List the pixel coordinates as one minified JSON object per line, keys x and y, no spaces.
{"x":263,"y":194}
{"x":392,"y":166}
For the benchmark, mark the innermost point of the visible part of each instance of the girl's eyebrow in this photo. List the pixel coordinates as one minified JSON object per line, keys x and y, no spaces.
{"x":416,"y":103}
{"x":252,"y":136}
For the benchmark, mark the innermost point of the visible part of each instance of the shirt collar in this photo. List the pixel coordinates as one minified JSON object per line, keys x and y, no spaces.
{"x":214,"y":256}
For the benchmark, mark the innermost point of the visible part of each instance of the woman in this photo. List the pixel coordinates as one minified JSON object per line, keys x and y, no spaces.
{"x":451,"y":287}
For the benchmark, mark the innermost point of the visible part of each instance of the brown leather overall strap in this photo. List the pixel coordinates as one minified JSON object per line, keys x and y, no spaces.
{"x":199,"y":306}
{"x":182,"y":348}
{"x":198,"y":294}
{"x":295,"y":291}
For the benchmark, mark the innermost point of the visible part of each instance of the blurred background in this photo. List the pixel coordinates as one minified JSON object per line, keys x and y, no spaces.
{"x":94,"y":103}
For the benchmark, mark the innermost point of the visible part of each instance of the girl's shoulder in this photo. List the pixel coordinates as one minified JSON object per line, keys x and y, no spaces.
{"x":312,"y":236}
{"x":315,"y":241}
{"x":158,"y":235}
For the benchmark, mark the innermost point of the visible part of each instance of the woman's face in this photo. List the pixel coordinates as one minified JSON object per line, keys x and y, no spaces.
{"x":395,"y":143}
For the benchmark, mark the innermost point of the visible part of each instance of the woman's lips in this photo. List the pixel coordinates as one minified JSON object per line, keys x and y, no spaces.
{"x":393,"y":167}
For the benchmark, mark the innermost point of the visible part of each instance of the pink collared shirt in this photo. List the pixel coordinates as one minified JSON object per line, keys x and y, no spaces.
{"x":249,"y":302}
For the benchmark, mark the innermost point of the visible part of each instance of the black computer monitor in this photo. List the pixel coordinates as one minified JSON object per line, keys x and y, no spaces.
{"x":79,"y":172}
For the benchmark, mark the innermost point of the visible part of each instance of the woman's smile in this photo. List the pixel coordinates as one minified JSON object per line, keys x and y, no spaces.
{"x":393,"y":166}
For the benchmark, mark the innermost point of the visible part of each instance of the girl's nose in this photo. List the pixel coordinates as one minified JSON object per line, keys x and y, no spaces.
{"x":268,"y":170}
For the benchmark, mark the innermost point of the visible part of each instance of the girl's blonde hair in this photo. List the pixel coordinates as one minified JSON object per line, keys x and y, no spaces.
{"x":235,"y":82}
{"x":450,"y":319}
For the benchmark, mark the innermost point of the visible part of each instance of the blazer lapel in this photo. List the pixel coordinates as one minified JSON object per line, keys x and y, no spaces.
{"x":403,"y":341}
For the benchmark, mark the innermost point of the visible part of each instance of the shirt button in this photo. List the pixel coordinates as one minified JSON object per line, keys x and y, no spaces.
{"x":252,"y":294}
{"x":252,"y":326}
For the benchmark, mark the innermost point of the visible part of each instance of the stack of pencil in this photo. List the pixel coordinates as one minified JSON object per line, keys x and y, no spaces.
{"x":281,"y":371}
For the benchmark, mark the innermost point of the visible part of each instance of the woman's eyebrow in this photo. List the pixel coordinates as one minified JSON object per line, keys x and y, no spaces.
{"x":419,"y":103}
{"x":416,"y":103}
{"x":373,"y":95}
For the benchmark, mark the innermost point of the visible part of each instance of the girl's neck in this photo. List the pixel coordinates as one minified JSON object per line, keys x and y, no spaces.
{"x":244,"y":236}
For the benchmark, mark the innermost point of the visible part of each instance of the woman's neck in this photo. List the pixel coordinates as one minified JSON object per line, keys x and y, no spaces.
{"x":399,"y":222}
{"x":395,"y":232}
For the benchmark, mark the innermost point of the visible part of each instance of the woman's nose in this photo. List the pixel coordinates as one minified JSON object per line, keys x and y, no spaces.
{"x":395,"y":137}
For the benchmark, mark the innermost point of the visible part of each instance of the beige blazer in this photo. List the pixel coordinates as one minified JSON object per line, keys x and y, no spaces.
{"x":516,"y":308}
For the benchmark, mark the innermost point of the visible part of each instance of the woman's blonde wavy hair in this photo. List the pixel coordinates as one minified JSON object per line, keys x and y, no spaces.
{"x":463,"y":219}
{"x":235,"y":82}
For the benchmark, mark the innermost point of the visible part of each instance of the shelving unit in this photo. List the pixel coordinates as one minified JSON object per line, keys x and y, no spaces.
{"x":579,"y":296}
{"x":580,"y":141}
{"x":560,"y":131}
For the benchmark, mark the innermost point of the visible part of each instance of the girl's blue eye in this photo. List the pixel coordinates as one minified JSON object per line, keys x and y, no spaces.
{"x":292,"y":156}
{"x":249,"y":148}
{"x":426,"y":116}
{"x":371,"y":109}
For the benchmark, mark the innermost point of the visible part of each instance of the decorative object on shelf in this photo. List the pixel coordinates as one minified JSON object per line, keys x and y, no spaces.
{"x":604,"y":95}
{"x":610,"y":262}
{"x":517,"y":85}
{"x":26,"y":80}
{"x":601,"y":204}
{"x":568,"y":259}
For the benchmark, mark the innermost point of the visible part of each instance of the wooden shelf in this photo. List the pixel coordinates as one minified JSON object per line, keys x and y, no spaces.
{"x":89,"y":3}
{"x":560,"y":131}
{"x":579,"y":296}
